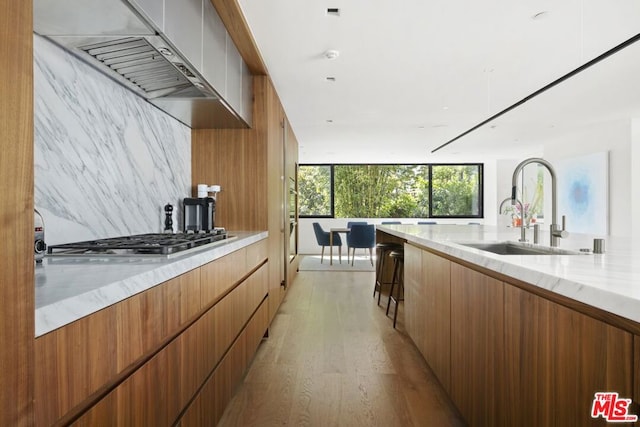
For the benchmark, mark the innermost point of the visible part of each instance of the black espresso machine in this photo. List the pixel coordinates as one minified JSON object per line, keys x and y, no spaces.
{"x":199,"y":214}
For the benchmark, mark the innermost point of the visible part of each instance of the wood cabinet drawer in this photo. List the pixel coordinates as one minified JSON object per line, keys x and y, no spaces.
{"x":209,"y":405}
{"x":147,"y":319}
{"x":79,"y":359}
{"x":257,"y":253}
{"x":155,"y":393}
{"x":71,"y":363}
{"x":219,"y":276}
{"x":223,"y":323}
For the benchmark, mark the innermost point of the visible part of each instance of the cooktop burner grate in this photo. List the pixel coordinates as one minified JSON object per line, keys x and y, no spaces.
{"x":140,"y":244}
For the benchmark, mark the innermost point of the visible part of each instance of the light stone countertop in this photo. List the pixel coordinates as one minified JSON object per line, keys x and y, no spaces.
{"x":609,"y":281}
{"x":69,"y":288}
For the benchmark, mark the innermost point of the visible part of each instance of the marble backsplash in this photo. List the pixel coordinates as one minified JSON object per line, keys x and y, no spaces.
{"x":106,"y":161}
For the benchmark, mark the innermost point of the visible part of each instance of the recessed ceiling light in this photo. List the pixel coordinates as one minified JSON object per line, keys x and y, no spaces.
{"x":540,"y":15}
{"x":333,"y":11}
{"x":445,"y":108}
{"x":331,"y":54}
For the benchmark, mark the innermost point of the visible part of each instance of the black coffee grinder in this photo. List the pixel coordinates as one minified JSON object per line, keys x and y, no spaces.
{"x":199,"y":214}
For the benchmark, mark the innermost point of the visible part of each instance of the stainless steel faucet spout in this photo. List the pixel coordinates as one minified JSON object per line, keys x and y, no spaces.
{"x":556,"y":233}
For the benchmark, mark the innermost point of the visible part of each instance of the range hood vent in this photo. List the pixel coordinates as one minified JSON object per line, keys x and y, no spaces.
{"x":145,"y":68}
{"x":124,"y":45}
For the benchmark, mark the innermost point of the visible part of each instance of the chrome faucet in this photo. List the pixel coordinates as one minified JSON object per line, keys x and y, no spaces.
{"x":508,"y":199}
{"x":556,"y":233}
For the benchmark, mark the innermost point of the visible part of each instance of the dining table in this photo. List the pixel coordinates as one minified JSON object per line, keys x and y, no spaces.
{"x":331,"y":231}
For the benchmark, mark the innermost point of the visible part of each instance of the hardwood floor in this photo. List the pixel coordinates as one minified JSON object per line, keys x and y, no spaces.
{"x":334,"y":359}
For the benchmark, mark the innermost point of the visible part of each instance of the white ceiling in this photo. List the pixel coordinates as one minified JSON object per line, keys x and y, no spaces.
{"x":413,"y":74}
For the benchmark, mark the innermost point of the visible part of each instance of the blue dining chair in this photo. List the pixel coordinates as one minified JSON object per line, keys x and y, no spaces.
{"x":323,"y":240}
{"x":427,"y":222}
{"x":391,"y":222}
{"x":361,"y":236}
{"x":350,"y":223}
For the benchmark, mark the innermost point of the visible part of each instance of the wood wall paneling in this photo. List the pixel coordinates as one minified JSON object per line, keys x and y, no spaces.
{"x":231,"y":158}
{"x":249,"y":166}
{"x":17,"y":328}
{"x":477,"y":348}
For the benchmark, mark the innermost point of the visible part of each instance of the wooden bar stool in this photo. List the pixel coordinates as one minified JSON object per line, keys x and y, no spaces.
{"x":383,"y":249}
{"x":398,"y":279}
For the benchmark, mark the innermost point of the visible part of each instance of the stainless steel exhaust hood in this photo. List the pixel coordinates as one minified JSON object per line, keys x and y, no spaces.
{"x":116,"y":40}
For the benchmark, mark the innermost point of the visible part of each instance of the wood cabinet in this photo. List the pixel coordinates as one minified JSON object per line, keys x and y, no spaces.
{"x":428,"y":309}
{"x":636,"y":370}
{"x":515,"y":357}
{"x":143,"y":360}
{"x":558,"y":358}
{"x":209,"y":404}
{"x":477,"y":350}
{"x":17,"y":327}
{"x":249,"y":165}
{"x":291,"y":206}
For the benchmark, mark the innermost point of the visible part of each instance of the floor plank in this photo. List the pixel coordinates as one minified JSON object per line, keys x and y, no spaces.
{"x":333,"y":359}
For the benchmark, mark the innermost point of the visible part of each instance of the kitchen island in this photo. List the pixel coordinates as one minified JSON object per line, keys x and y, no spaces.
{"x":522,"y":339}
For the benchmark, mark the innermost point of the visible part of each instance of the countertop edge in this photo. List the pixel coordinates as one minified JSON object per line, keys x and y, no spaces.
{"x":63,"y":312}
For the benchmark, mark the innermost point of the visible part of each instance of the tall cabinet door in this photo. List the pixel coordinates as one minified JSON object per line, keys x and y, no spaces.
{"x":276,"y":184}
{"x":291,"y":258}
{"x":16,"y":172}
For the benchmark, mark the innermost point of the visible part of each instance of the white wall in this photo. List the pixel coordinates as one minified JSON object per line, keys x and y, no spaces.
{"x":614,"y":137}
{"x":635,"y":177}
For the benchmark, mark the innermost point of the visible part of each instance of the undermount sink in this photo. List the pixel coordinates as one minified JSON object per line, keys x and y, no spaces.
{"x":519,"y":248}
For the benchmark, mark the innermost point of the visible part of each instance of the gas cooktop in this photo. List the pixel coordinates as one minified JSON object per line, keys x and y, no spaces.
{"x":152,"y":244}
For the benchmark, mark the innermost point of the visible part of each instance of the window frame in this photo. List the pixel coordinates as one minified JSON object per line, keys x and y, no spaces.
{"x":480,"y":167}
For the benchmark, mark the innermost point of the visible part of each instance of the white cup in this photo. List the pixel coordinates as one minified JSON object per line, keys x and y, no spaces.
{"x":203,"y":190}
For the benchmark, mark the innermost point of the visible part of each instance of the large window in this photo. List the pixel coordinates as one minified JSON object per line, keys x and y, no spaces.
{"x":390,"y":191}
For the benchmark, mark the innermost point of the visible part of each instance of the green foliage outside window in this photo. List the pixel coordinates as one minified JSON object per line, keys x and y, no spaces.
{"x":314,"y":190}
{"x":389,"y":191}
{"x":455,"y":190}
